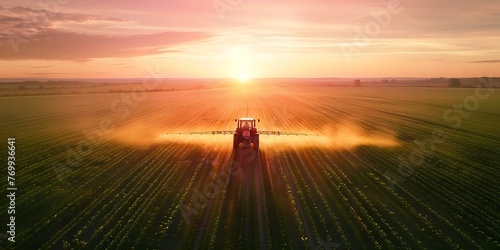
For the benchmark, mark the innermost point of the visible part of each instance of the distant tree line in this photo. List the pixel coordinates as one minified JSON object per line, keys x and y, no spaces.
{"x":454,"y":83}
{"x":51,"y":82}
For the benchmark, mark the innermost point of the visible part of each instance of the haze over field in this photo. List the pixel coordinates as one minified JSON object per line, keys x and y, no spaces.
{"x":249,"y":38}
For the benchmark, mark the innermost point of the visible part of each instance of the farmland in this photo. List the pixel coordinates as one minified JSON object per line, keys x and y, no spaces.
{"x":111,"y":171}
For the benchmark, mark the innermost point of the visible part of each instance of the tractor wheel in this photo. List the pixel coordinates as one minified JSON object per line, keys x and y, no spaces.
{"x":256,"y":142}
{"x":236,"y":141}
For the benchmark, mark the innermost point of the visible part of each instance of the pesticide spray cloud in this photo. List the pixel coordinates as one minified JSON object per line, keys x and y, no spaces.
{"x":346,"y":136}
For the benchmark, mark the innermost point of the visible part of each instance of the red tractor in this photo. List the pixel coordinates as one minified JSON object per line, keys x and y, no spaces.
{"x":246,"y":133}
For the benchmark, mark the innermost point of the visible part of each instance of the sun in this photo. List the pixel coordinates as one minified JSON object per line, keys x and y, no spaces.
{"x":240,"y":60}
{"x":243,"y":78}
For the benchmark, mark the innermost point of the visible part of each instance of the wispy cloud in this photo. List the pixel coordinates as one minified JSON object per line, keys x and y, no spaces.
{"x":52,"y":44}
{"x":486,"y":61}
{"x":40,"y":67}
{"x":26,"y":20}
{"x":42,"y":40}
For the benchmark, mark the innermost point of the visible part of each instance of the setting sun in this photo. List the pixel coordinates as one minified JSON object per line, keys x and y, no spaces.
{"x":243,"y":78}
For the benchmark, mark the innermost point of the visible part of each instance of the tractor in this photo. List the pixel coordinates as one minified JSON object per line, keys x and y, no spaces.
{"x":246,"y":133}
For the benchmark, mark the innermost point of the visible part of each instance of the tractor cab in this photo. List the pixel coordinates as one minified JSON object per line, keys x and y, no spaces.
{"x":246,"y":133}
{"x":246,"y":123}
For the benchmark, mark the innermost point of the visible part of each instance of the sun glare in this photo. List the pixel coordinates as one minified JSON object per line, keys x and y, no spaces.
{"x":243,"y":78}
{"x":241,"y":62}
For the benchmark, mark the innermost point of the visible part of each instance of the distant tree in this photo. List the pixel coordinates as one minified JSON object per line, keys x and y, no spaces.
{"x":357,"y":83}
{"x":454,"y":83}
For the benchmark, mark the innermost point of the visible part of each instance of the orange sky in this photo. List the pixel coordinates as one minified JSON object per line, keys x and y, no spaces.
{"x":249,"y":38}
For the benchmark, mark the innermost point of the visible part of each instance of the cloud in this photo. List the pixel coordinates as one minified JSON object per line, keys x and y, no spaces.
{"x":29,"y":13}
{"x":39,"y":73}
{"x":36,"y":34}
{"x":50,"y":44}
{"x":40,"y":67}
{"x":425,"y":60}
{"x":27,"y":21}
{"x":486,"y":61}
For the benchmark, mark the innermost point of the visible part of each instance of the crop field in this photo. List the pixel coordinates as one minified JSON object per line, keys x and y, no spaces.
{"x":391,"y":168}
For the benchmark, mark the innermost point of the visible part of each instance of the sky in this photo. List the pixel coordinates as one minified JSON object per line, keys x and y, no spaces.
{"x":249,"y":38}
